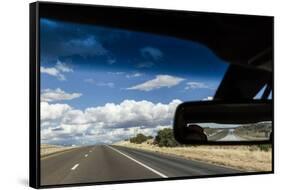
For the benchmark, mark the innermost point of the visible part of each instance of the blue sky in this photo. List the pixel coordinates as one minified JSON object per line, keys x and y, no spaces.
{"x":89,"y":66}
{"x":103,"y":59}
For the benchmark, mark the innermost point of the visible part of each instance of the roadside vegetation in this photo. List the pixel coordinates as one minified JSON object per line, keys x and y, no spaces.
{"x":254,"y":131}
{"x":140,"y":138}
{"x":165,"y":138}
{"x":245,"y":158}
{"x":47,"y":149}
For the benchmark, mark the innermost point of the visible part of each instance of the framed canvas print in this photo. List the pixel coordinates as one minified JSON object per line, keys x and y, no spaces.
{"x":121,"y":94}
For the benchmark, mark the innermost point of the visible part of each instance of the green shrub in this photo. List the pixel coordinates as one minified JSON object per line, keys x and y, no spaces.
{"x":264,"y":147}
{"x":149,"y":137}
{"x":165,"y":137}
{"x":140,"y":138}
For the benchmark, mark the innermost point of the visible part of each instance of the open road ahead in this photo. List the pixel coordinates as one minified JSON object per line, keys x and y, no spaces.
{"x":114,"y":163}
{"x":231,"y":136}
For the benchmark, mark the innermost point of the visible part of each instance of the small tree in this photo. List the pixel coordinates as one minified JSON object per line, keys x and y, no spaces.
{"x":165,"y":137}
{"x":149,"y":137}
{"x":140,"y":138}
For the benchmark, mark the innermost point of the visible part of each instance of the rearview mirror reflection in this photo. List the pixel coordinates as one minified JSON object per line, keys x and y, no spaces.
{"x":240,"y":132}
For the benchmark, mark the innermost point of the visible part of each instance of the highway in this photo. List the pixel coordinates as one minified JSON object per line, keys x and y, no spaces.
{"x":102,"y":163}
{"x":231,"y":136}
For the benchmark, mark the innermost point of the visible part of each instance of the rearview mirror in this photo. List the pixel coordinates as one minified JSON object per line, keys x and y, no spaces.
{"x":221,"y":122}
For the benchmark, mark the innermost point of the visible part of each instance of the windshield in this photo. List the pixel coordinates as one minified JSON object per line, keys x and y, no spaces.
{"x":104,"y":85}
{"x":108,"y":98}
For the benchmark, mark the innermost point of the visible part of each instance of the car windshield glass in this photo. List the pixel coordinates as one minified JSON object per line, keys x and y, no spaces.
{"x":114,"y":82}
{"x":108,"y":98}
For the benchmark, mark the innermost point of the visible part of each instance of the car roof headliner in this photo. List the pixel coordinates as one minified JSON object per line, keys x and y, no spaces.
{"x":237,"y":39}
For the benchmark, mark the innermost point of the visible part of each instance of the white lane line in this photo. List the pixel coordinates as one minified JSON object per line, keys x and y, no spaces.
{"x":75,"y":166}
{"x":147,"y":167}
{"x":90,"y":151}
{"x":86,"y":155}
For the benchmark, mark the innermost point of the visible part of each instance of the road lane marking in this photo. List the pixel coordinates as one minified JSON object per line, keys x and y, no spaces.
{"x":147,"y":167}
{"x":90,"y":151}
{"x":86,"y":155}
{"x":75,"y":166}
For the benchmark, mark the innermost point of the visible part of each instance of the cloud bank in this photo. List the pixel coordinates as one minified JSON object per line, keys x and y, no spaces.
{"x":61,"y":123}
{"x":49,"y":95}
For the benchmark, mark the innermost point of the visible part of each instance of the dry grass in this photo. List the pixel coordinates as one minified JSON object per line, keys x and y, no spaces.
{"x":47,"y":149}
{"x":246,"y":158}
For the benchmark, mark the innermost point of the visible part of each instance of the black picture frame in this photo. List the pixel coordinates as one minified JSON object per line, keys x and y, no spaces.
{"x":139,"y":19}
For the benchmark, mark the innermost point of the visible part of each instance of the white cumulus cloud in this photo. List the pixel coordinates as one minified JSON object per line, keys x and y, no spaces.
{"x":57,"y":71}
{"x":51,"y":112}
{"x":159,"y":81}
{"x":196,"y":85}
{"x":104,"y":124}
{"x":50,"y":95}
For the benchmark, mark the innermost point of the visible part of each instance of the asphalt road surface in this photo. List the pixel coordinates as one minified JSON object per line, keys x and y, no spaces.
{"x":231,"y":136}
{"x":114,"y":163}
